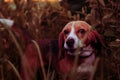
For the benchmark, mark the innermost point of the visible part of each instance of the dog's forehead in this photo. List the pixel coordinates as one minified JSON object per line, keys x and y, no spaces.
{"x":68,"y":26}
{"x":77,"y":25}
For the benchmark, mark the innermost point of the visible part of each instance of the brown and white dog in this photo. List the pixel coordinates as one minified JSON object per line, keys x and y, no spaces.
{"x":78,"y":38}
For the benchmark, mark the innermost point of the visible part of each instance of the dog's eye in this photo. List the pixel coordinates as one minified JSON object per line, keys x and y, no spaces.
{"x":66,"y":32}
{"x":81,"y":31}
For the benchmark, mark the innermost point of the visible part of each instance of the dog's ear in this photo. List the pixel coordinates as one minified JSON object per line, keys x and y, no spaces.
{"x":61,"y":44}
{"x":95,"y":40}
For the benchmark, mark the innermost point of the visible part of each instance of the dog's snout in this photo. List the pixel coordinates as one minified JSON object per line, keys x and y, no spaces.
{"x":70,"y":42}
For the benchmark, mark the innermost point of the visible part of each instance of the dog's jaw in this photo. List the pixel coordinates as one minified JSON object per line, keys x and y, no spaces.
{"x":82,"y":52}
{"x":75,"y":53}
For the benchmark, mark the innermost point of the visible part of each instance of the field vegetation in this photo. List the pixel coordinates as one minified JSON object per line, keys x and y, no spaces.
{"x":46,"y":20}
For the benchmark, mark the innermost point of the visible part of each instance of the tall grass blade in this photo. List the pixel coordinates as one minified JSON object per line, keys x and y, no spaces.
{"x":40,"y":58}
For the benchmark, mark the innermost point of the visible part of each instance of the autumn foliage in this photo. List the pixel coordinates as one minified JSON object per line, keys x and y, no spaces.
{"x":45,"y":20}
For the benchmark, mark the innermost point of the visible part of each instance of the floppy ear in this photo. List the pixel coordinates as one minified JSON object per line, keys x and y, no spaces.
{"x":94,"y":39}
{"x":61,"y":44}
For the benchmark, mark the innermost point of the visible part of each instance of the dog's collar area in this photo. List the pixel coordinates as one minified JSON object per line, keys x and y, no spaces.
{"x":86,"y":53}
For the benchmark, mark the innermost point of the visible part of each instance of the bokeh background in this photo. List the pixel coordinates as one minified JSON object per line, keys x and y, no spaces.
{"x":41,"y":19}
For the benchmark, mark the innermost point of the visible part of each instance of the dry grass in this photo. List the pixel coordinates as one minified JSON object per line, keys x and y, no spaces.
{"x":35,"y":20}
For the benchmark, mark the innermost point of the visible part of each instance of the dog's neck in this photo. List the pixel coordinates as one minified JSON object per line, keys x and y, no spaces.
{"x":67,"y":63}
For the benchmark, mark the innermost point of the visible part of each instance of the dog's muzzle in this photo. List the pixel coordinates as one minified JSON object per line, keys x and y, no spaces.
{"x":83,"y":52}
{"x":70,"y":43}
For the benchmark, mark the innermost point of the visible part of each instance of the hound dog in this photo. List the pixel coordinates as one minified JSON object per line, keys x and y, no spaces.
{"x":78,"y":40}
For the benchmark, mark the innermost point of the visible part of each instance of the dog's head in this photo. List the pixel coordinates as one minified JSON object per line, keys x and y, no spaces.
{"x":76,"y":35}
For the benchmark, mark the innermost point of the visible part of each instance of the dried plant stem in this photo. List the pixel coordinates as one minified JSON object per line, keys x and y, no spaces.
{"x":28,"y":72}
{"x":1,"y":73}
{"x":14,"y":40}
{"x":15,"y":70}
{"x":74,"y":67}
{"x":100,"y":10}
{"x":102,"y":73}
{"x":48,"y":73}
{"x":118,"y":68}
{"x":19,"y":50}
{"x":94,"y":69}
{"x":40,"y":58}
{"x":53,"y":74}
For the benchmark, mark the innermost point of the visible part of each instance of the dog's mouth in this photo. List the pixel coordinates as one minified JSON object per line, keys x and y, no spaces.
{"x":73,"y":51}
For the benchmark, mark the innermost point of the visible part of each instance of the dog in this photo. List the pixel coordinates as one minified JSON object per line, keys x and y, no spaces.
{"x":78,"y":41}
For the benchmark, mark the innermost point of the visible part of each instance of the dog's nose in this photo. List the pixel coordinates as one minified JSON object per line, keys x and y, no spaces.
{"x":70,"y":42}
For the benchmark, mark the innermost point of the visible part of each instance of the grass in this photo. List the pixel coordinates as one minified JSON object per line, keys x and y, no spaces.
{"x":36,"y":19}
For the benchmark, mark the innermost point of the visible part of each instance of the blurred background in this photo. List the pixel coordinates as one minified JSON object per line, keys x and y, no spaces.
{"x":41,"y":19}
